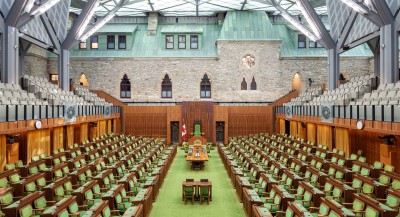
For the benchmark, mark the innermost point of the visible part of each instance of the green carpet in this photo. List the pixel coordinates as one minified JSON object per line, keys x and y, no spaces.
{"x":169,"y":201}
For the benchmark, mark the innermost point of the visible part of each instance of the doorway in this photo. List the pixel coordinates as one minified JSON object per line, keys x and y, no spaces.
{"x":287,"y":127}
{"x":175,"y":132}
{"x":220,"y":132}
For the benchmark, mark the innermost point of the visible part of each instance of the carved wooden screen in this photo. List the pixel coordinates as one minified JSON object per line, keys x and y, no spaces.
{"x":202,"y":112}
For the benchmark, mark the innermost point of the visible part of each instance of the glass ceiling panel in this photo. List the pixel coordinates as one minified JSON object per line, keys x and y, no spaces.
{"x":194,"y":7}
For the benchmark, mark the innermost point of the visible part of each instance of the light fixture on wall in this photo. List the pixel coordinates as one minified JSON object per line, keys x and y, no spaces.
{"x":357,"y":6}
{"x":310,"y":21}
{"x":300,"y":27}
{"x":97,"y":26}
{"x":44,"y":7}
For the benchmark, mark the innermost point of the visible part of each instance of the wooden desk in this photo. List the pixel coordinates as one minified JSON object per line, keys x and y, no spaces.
{"x":384,"y":210}
{"x":58,"y":207}
{"x":379,"y":188}
{"x":347,"y":191}
{"x":50,"y":189}
{"x":197,"y":186}
{"x":250,"y":198}
{"x":197,"y":155}
{"x":153,"y":182}
{"x":260,"y":211}
{"x":144,"y":198}
{"x":80,"y":192}
{"x":298,"y":210}
{"x":241,"y":182}
{"x":19,"y":188}
{"x":13,"y":209}
{"x":135,"y":211}
{"x":111,"y":194}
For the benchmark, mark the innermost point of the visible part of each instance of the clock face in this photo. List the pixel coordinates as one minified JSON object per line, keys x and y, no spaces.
{"x":38,"y":124}
{"x":360,"y":125}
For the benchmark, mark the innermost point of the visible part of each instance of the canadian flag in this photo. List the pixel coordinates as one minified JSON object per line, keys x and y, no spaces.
{"x":184,"y":134}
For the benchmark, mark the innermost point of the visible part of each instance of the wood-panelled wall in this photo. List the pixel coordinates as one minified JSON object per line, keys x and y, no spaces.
{"x":58,"y":138}
{"x":84,"y":129}
{"x":325,"y":135}
{"x":38,"y":142}
{"x":350,"y":141}
{"x":239,"y":120}
{"x":3,"y":156}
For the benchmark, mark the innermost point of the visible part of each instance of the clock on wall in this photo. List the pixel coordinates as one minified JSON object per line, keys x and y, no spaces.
{"x":360,"y":125}
{"x":38,"y":124}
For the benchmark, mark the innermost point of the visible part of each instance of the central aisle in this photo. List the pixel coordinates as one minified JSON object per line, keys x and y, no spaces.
{"x":169,"y":201}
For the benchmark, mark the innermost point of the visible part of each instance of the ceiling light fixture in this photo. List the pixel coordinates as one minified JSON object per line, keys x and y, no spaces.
{"x":97,"y":26}
{"x":85,"y":23}
{"x":356,"y":6}
{"x":310,"y":21}
{"x":300,"y":27}
{"x":44,"y":7}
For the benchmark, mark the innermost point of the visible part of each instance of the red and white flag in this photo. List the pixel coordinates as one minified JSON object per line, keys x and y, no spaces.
{"x":184,"y":134}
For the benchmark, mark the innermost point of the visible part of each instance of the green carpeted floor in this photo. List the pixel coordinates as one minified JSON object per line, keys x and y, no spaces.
{"x":169,"y":201}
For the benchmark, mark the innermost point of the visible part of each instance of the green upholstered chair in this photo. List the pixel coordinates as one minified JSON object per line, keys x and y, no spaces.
{"x":268,"y":197}
{"x":59,"y":193}
{"x":306,"y":200}
{"x":353,"y":157}
{"x":35,"y":158}
{"x":40,"y":183}
{"x":368,"y":190}
{"x":275,"y":205}
{"x":365,"y":171}
{"x":6,"y":200}
{"x":358,"y":207}
{"x":30,"y":188}
{"x":299,"y":193}
{"x":26,"y":211}
{"x":58,"y":174}
{"x":3,"y":182}
{"x":384,"y":179}
{"x":336,"y":195}
{"x":63,"y":213}
{"x":371,"y":212}
{"x":356,"y":184}
{"x":10,"y":166}
{"x":68,"y":188}
{"x":121,"y":205}
{"x":339,"y":175}
{"x":197,"y":130}
{"x":204,"y":194}
{"x":395,"y":184}
{"x":189,"y":193}
{"x":378,"y":165}
{"x":389,"y":168}
{"x":33,"y":170}
{"x":19,"y":163}
{"x":323,"y":210}
{"x":39,"y":205}
{"x":97,"y":191}
{"x":89,"y":199}
{"x":260,"y":188}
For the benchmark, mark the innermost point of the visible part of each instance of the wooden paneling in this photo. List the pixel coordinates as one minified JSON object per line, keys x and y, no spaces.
{"x":293,"y":128}
{"x":244,"y":120}
{"x":109,"y":130}
{"x":12,"y":152}
{"x":342,"y":140}
{"x":282,"y":126}
{"x":58,"y":138}
{"x":145,"y":120}
{"x":311,"y":132}
{"x":325,"y":135}
{"x":70,"y":136}
{"x":84,"y":132}
{"x":3,"y":159}
{"x":368,"y":142}
{"x":38,"y":142}
{"x":199,"y":112}
{"x":101,"y":127}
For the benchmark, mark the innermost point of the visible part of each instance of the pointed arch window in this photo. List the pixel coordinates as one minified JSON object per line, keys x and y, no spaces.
{"x":125,"y":87}
{"x":243,"y":85}
{"x":253,"y":85}
{"x":205,"y":87}
{"x":166,"y":87}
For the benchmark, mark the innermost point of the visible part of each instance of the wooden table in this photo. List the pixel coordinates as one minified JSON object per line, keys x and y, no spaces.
{"x":197,"y":186}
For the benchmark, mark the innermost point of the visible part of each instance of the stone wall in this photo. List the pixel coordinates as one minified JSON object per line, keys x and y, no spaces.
{"x":272,"y":73}
{"x":36,"y":62}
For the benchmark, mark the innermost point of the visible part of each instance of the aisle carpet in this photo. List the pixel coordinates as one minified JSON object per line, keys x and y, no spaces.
{"x":169,"y":201}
